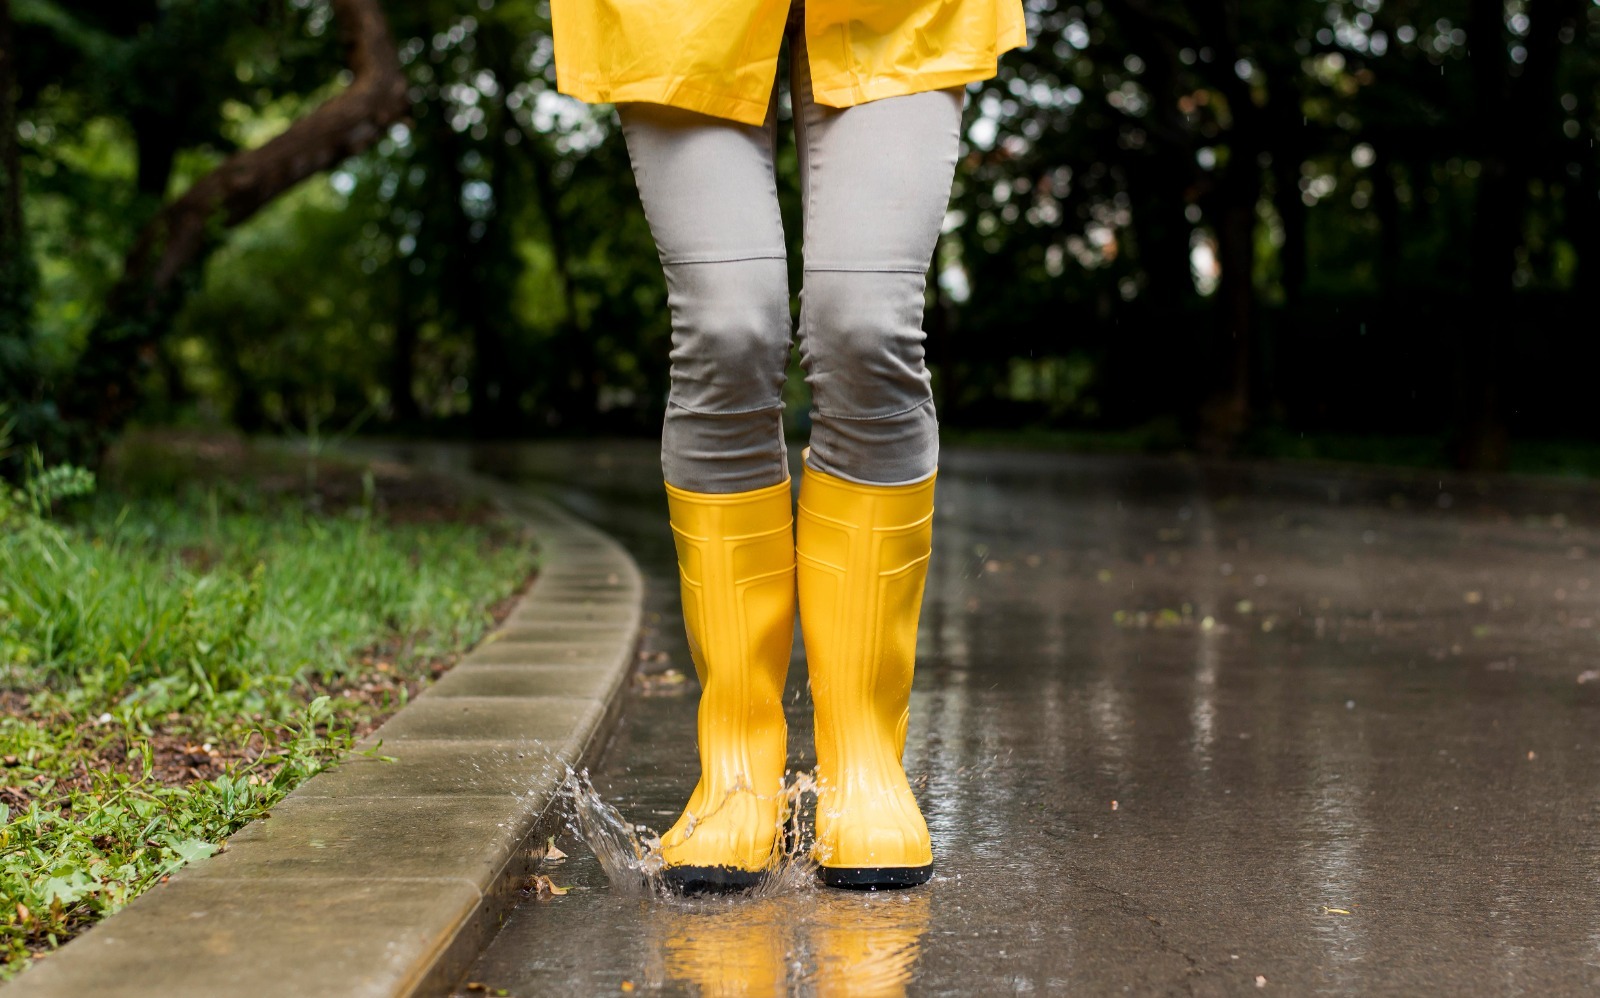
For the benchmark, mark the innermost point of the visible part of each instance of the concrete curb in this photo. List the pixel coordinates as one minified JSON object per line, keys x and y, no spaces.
{"x":385,"y":878}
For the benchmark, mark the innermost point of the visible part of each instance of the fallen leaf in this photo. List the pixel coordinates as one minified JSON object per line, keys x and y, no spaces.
{"x":551,"y":851}
{"x":666,"y":679}
{"x":1334,"y":911}
{"x":543,"y":886}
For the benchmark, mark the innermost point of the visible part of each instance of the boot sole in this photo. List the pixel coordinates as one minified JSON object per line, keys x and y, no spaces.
{"x":875,"y":878}
{"x":710,"y":879}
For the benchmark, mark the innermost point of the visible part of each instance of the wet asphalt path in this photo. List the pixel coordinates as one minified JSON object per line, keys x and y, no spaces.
{"x":1177,"y":729}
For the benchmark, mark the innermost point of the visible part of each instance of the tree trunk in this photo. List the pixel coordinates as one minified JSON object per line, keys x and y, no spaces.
{"x":403,"y":354}
{"x":1515,"y":115}
{"x":575,"y":386}
{"x":1386,"y":206}
{"x":19,"y":389}
{"x":1162,"y":180}
{"x":157,"y":144}
{"x":103,"y":391}
{"x":1290,"y":147}
{"x":1226,"y":413}
{"x":11,"y":231}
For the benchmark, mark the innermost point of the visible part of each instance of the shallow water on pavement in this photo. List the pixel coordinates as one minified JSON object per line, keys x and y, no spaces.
{"x":1176,"y":729}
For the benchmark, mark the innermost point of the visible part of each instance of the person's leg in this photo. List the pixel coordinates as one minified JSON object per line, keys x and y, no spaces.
{"x":711,"y":200}
{"x":876,"y":183}
{"x":875,"y":180}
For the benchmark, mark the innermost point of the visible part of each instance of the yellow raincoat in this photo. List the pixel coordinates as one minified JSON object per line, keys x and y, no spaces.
{"x":719,"y":57}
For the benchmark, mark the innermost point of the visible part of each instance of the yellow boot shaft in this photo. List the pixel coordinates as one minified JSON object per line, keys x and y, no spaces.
{"x":736,"y":575}
{"x":862,"y":558}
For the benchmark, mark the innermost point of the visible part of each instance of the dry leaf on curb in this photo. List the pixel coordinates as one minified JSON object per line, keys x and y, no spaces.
{"x":551,"y":853}
{"x":543,"y":886}
{"x":665,"y":681}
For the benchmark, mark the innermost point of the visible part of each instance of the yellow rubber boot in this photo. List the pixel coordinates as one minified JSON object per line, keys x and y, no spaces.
{"x":736,"y":573}
{"x":862,"y":555}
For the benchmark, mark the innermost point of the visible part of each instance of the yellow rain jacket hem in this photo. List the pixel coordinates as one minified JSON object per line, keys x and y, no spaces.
{"x":720,"y":59}
{"x":676,"y":94}
{"x":848,"y":93}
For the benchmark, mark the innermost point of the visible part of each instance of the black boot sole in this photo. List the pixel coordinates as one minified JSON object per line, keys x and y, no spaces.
{"x":875,"y":878}
{"x":710,"y":879}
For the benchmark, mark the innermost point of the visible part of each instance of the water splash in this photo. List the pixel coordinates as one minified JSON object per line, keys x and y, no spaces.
{"x":630,"y":854}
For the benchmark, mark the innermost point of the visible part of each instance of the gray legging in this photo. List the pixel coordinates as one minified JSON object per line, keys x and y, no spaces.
{"x":875,"y":180}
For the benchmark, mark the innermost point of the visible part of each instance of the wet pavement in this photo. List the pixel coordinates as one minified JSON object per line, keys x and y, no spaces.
{"x":1177,"y":729}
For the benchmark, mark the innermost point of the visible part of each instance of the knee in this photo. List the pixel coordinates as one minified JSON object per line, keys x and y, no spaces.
{"x":862,"y":346}
{"x":730,"y":335}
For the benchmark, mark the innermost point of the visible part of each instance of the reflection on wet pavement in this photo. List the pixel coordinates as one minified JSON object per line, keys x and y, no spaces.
{"x":846,"y":945}
{"x":1176,"y":729}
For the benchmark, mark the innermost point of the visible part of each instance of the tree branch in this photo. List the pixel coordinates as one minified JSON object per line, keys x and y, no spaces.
{"x":103,"y":388}
{"x":342,"y":127}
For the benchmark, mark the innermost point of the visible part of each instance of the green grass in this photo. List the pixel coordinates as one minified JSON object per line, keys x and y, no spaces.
{"x":217,"y":629}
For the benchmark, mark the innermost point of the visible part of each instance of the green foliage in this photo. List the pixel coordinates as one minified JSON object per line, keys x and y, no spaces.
{"x":211,"y":614}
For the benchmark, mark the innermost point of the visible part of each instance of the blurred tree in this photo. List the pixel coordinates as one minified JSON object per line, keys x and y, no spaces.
{"x":1217,"y":221}
{"x":1285,"y":199}
{"x":103,"y":389}
{"x":1515,"y":103}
